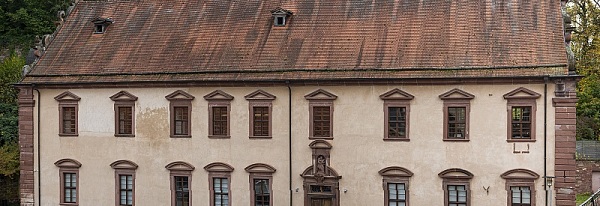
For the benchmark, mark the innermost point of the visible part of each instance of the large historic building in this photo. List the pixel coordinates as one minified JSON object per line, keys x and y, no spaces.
{"x":302,"y":102}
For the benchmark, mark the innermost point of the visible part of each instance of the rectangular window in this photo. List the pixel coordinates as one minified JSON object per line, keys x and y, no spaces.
{"x":69,"y":120}
{"x":396,"y":122}
{"x":397,"y":194}
{"x":457,"y":195}
{"x":221,"y":191}
{"x":125,"y":124}
{"x":219,"y":121}
{"x":521,"y":122}
{"x":70,"y":187}
{"x":521,"y":196}
{"x":260,"y":121}
{"x":182,"y":191}
{"x":320,"y":189}
{"x":181,"y":121}
{"x":262,"y":196}
{"x":321,"y":121}
{"x":457,"y":122}
{"x":126,"y":190}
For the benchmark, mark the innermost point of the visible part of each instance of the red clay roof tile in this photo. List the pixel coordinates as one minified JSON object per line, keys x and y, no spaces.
{"x":226,"y":40}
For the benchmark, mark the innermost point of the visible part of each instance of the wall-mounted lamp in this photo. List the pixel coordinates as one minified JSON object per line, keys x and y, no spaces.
{"x":549,"y":180}
{"x":345,"y":190}
{"x":297,"y":189}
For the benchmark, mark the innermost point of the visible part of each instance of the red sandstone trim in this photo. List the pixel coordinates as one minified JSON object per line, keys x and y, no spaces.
{"x":26,"y":142}
{"x":565,"y":165}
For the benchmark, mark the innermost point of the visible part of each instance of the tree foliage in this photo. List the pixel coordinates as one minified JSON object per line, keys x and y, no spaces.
{"x":22,"y":20}
{"x":10,"y":73}
{"x":586,"y":47}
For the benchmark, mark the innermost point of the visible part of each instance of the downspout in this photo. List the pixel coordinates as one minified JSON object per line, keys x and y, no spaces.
{"x":290,"y":136}
{"x":39,"y":146}
{"x":545,"y":140}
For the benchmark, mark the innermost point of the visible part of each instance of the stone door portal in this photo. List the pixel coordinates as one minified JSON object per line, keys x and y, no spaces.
{"x":321,"y":182}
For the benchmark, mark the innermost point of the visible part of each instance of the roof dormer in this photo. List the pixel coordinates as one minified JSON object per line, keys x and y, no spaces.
{"x":280,"y":16}
{"x":100,"y":24}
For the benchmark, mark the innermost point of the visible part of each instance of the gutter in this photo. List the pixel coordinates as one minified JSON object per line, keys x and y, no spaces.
{"x":547,"y":188}
{"x":280,"y":70}
{"x":39,"y":156}
{"x":287,"y":82}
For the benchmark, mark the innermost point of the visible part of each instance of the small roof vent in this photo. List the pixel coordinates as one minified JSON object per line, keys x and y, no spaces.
{"x":100,"y":24}
{"x":280,"y":15}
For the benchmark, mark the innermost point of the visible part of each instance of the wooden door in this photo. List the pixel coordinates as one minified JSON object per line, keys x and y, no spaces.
{"x":321,"y":202}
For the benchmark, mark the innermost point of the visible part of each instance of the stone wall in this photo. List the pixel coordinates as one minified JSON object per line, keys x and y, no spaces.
{"x":584,"y":171}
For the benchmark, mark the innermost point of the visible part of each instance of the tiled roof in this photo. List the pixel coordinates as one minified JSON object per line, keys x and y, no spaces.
{"x":324,"y":39}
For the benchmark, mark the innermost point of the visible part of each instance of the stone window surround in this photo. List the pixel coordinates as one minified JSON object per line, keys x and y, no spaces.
{"x":180,"y":98}
{"x":128,"y":101}
{"x":520,"y":178}
{"x":218,"y":98}
{"x":123,"y":167}
{"x":218,"y":170}
{"x":68,"y":166}
{"x":316,"y":100}
{"x":67,"y":99}
{"x":396,"y":98}
{"x":395,"y":174}
{"x":459,"y":177}
{"x":260,"y":171}
{"x":182,"y":169}
{"x":260,"y":98}
{"x":462,"y":100}
{"x":521,"y":101}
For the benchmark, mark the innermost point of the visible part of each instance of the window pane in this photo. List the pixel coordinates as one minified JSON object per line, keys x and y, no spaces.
{"x":261,"y":121}
{"x":219,"y":120}
{"x":396,"y":122}
{"x":456,"y":122}
{"x":224,"y":185}
{"x":181,"y":120}
{"x":321,"y":121}
{"x":521,"y":122}
{"x":125,"y":120}
{"x":68,"y":120}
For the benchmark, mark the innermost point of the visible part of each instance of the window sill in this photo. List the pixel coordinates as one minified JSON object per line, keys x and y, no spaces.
{"x":396,"y":139}
{"x":520,"y":140}
{"x":124,"y":135}
{"x":219,"y":136}
{"x":260,"y":137}
{"x":325,"y":138}
{"x":456,"y":140}
{"x":181,"y":136}
{"x":68,"y":135}
{"x":69,"y":204}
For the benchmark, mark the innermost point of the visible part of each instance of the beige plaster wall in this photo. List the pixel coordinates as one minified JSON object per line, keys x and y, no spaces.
{"x":358,"y":151}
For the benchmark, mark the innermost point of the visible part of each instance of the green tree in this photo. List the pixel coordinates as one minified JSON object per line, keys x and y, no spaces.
{"x":10,"y":73}
{"x":22,"y":20}
{"x":586,"y":47}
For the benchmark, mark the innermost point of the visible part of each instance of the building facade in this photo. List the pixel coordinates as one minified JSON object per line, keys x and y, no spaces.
{"x":315,"y":103}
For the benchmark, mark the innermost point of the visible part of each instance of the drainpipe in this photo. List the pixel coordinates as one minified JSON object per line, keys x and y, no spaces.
{"x":290,"y":136}
{"x":548,"y":200}
{"x":38,"y":146}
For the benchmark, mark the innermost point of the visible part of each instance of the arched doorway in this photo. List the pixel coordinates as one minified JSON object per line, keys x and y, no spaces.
{"x":321,"y":182}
